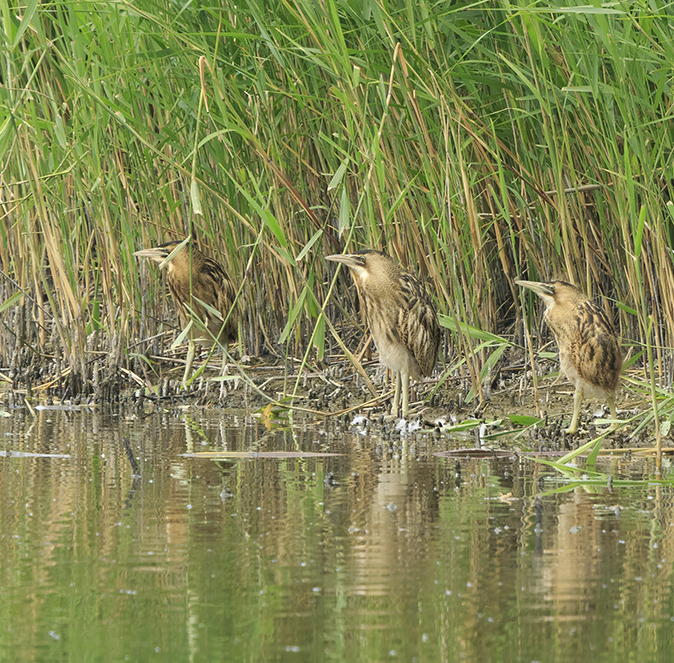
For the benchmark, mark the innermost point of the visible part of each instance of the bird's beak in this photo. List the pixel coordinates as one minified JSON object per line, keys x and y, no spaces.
{"x":156,"y":254}
{"x":541,"y":289}
{"x":347,"y":259}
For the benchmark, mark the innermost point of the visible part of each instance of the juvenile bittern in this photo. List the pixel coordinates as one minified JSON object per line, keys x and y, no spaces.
{"x":203,"y":295}
{"x":401,"y":316}
{"x":589,"y":349}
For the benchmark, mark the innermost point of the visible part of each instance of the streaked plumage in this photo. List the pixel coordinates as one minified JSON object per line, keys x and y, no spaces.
{"x":589,"y":349}
{"x":401,"y":317}
{"x":195,"y":280}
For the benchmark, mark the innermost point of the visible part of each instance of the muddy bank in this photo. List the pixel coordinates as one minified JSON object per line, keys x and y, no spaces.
{"x":269,"y":385}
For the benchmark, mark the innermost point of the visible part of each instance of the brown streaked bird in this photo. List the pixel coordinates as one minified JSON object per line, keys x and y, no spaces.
{"x":401,"y":317}
{"x":589,"y":348}
{"x":203,"y":295}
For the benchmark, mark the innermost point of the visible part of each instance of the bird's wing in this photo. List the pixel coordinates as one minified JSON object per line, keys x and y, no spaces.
{"x":215,"y":288}
{"x":418,"y":323}
{"x":599,"y":358}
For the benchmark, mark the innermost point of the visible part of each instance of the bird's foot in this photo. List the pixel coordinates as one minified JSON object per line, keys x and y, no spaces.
{"x":403,"y":416}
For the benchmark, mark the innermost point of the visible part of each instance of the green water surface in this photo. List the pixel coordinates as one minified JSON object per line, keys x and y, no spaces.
{"x":385,"y":552}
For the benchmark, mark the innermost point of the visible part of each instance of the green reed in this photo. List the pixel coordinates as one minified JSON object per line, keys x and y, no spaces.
{"x":476,"y":143}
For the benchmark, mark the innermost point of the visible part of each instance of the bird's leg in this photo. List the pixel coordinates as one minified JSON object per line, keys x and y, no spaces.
{"x":223,"y":371}
{"x":396,"y":397}
{"x":577,"y":398}
{"x":614,"y":412}
{"x":404,"y":376}
{"x":191,"y":348}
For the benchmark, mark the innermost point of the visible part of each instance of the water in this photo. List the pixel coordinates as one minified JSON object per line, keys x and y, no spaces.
{"x":385,"y":552}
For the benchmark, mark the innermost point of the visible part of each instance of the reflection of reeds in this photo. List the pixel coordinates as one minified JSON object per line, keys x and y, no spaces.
{"x":383,"y":542}
{"x":475,"y":150}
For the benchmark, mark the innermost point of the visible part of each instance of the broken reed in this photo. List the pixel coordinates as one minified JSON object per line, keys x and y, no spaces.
{"x":475,"y":145}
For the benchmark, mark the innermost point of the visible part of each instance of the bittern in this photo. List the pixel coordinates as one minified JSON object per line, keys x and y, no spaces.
{"x":401,"y":317}
{"x":589,"y":349}
{"x":203,"y":295}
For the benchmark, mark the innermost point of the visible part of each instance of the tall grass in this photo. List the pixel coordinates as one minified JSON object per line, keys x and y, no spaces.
{"x":475,"y":142}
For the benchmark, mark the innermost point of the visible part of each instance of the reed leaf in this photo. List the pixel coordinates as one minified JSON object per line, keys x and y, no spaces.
{"x":475,"y":144}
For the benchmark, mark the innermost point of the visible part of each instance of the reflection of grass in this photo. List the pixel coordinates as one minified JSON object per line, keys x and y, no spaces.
{"x":488,"y":430}
{"x":589,"y":476}
{"x":573,"y":476}
{"x":602,"y":482}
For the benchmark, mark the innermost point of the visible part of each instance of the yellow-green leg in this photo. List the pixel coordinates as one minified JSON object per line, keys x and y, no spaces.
{"x":577,"y":399}
{"x":223,"y":371}
{"x":614,"y":412}
{"x":191,"y":348}
{"x":404,"y":377}
{"x":396,"y":397}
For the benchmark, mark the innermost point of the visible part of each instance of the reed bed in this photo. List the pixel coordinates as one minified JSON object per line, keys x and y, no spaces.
{"x":475,"y":142}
